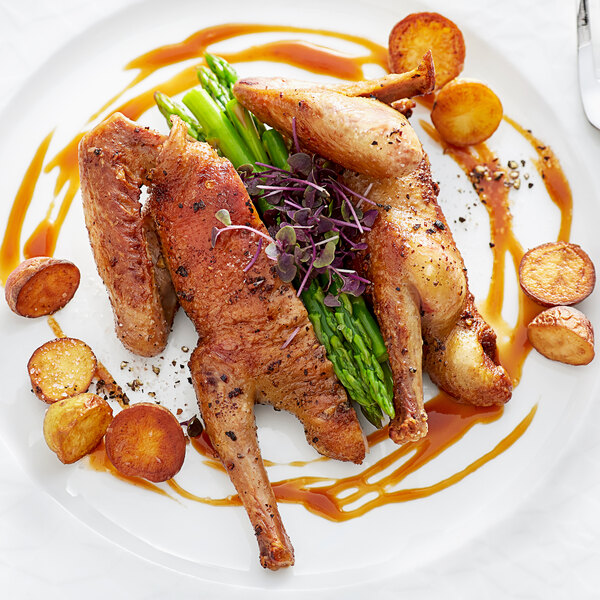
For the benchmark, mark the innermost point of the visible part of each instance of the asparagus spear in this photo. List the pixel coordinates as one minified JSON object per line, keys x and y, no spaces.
{"x":209,"y":81}
{"x":276,"y":149}
{"x":224,"y":72}
{"x":169,"y":107}
{"x":218,"y":127}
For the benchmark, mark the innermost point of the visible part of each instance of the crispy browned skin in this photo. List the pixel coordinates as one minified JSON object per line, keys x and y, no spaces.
{"x":114,"y":159}
{"x":362,"y":134}
{"x":395,"y":86}
{"x":243,"y":319}
{"x":422,"y":301}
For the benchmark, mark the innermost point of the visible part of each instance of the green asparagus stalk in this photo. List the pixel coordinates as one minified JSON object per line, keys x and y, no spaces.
{"x":219,"y":93}
{"x":218,"y":127}
{"x":276,"y":149}
{"x":246,"y":127}
{"x":224,"y":72}
{"x":169,"y":107}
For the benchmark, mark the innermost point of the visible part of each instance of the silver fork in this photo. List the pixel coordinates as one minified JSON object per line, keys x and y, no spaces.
{"x":589,"y":83}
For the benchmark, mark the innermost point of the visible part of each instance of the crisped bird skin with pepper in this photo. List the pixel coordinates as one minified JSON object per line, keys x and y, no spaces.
{"x":114,"y":159}
{"x":422,"y":301}
{"x":243,"y":320}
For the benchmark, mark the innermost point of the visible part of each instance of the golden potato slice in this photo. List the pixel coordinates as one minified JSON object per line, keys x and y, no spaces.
{"x":563,"y":333}
{"x":61,"y":368}
{"x":466,"y":112}
{"x":557,"y":273}
{"x":40,"y":286}
{"x":417,"y":33}
{"x":74,"y":427}
{"x":146,"y":440}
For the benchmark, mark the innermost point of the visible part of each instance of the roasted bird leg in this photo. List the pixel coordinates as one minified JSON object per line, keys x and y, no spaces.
{"x":361,"y":134}
{"x":419,"y":286}
{"x":114,"y":160}
{"x":388,"y":89}
{"x":244,"y":320}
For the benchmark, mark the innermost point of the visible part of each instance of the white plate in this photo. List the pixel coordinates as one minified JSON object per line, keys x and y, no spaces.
{"x":216,"y":544}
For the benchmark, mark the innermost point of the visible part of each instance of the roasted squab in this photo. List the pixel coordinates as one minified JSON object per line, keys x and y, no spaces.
{"x":243,"y":318}
{"x":419,"y":285}
{"x":422,"y":301}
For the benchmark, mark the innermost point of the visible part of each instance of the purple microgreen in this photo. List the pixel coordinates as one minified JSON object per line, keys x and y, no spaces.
{"x":286,"y":236}
{"x":326,"y":257}
{"x":315,"y":220}
{"x":223,"y":216}
{"x":286,"y":268}
{"x":300,"y":163}
{"x":255,"y":257}
{"x":290,"y":338}
{"x":301,"y":217}
{"x":272,"y":251}
{"x":369,"y":217}
{"x":331,"y":301}
{"x":352,"y":286}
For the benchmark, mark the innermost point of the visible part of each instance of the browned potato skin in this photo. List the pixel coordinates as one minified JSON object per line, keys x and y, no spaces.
{"x":557,"y":273}
{"x":419,"y":32}
{"x":40,"y":286}
{"x":146,"y":440}
{"x":61,"y":368}
{"x":466,"y":112}
{"x":74,"y":427}
{"x":564,"y":334}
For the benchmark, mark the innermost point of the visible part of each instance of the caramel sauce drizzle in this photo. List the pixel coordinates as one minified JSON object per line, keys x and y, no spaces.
{"x":513,"y":345}
{"x":557,"y":186}
{"x":98,"y":460}
{"x":448,"y":421}
{"x":10,"y":255}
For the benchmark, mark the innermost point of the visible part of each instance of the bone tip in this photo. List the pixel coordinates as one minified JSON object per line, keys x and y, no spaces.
{"x":409,"y":430}
{"x":277,"y":556}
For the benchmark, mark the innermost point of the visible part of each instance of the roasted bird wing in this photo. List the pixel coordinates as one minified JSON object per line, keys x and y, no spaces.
{"x":114,"y":160}
{"x":420,"y":293}
{"x":256,"y":343}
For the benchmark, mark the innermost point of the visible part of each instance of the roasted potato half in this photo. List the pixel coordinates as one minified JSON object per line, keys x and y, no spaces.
{"x":563,"y":333}
{"x":417,"y":33}
{"x":557,"y":273}
{"x":146,"y":440}
{"x":40,"y":286}
{"x":466,"y":112}
{"x":74,"y":427}
{"x":61,"y":368}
